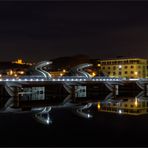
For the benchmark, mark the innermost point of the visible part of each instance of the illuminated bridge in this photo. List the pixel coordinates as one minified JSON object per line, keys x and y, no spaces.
{"x":58,"y":79}
{"x":78,"y":77}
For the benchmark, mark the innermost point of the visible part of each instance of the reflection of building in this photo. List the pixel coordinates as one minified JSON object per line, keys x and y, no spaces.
{"x":125,"y":68}
{"x":130,"y":106}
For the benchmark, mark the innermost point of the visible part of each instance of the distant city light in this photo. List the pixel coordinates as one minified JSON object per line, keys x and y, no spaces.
{"x":99,"y":106}
{"x":64,"y":70}
{"x":98,"y":65}
{"x":93,"y":74}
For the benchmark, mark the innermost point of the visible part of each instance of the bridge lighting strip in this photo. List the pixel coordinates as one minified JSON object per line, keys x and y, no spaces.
{"x":68,"y":79}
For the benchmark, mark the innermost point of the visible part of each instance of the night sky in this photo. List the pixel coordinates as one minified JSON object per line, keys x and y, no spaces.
{"x":45,"y":30}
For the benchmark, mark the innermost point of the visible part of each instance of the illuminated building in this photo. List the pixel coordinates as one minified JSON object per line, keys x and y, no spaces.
{"x":125,"y":68}
{"x":130,"y":106}
{"x":20,"y":61}
{"x":58,"y":73}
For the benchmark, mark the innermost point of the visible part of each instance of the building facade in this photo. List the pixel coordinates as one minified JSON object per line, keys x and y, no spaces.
{"x":125,"y":68}
{"x":128,"y":106}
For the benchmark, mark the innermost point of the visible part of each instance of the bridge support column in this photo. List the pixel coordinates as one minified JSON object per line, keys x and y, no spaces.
{"x":116,"y":89}
{"x":16,"y":96}
{"x":146,"y":89}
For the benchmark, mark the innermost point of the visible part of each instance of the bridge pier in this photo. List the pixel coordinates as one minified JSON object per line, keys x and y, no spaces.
{"x":116,"y":91}
{"x":16,"y":96}
{"x":146,"y":89}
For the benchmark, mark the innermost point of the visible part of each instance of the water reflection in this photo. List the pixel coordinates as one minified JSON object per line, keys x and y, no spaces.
{"x":40,"y":105}
{"x":128,"y":106}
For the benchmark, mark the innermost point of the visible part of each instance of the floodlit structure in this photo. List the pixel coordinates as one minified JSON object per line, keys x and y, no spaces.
{"x":79,"y":70}
{"x":125,"y":68}
{"x":39,"y":68}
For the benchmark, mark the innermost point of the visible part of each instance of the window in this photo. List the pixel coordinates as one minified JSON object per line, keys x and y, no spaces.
{"x":143,"y":104}
{"x":119,"y":73}
{"x":114,"y":68}
{"x":132,"y":72}
{"x":125,"y":62}
{"x":125,"y":67}
{"x":114,"y":73}
{"x":125,"y":72}
{"x":132,"y":66}
{"x":108,"y":67}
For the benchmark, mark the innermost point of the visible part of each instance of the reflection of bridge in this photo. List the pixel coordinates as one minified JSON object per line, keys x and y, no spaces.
{"x":19,"y":105}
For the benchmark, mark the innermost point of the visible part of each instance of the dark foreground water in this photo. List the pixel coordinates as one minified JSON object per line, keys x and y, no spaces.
{"x":68,"y":129}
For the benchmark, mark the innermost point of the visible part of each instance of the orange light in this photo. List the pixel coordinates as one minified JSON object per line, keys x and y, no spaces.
{"x":136,"y":73}
{"x":93,"y":74}
{"x":98,"y":65}
{"x":98,"y":106}
{"x":64,"y":70}
{"x":136,"y":102}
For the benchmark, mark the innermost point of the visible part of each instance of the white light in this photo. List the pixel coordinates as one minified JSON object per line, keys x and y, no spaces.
{"x":42,"y":79}
{"x":19,"y":79}
{"x":120,"y":111}
{"x":7,"y":79}
{"x":120,"y":66}
{"x":25,"y":79}
{"x":13,"y":79}
{"x":53,"y":79}
{"x":133,"y":79}
{"x":88,"y":115}
{"x":37,"y":79}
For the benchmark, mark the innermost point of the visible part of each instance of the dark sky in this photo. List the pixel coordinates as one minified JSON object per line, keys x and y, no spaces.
{"x":45,"y":30}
